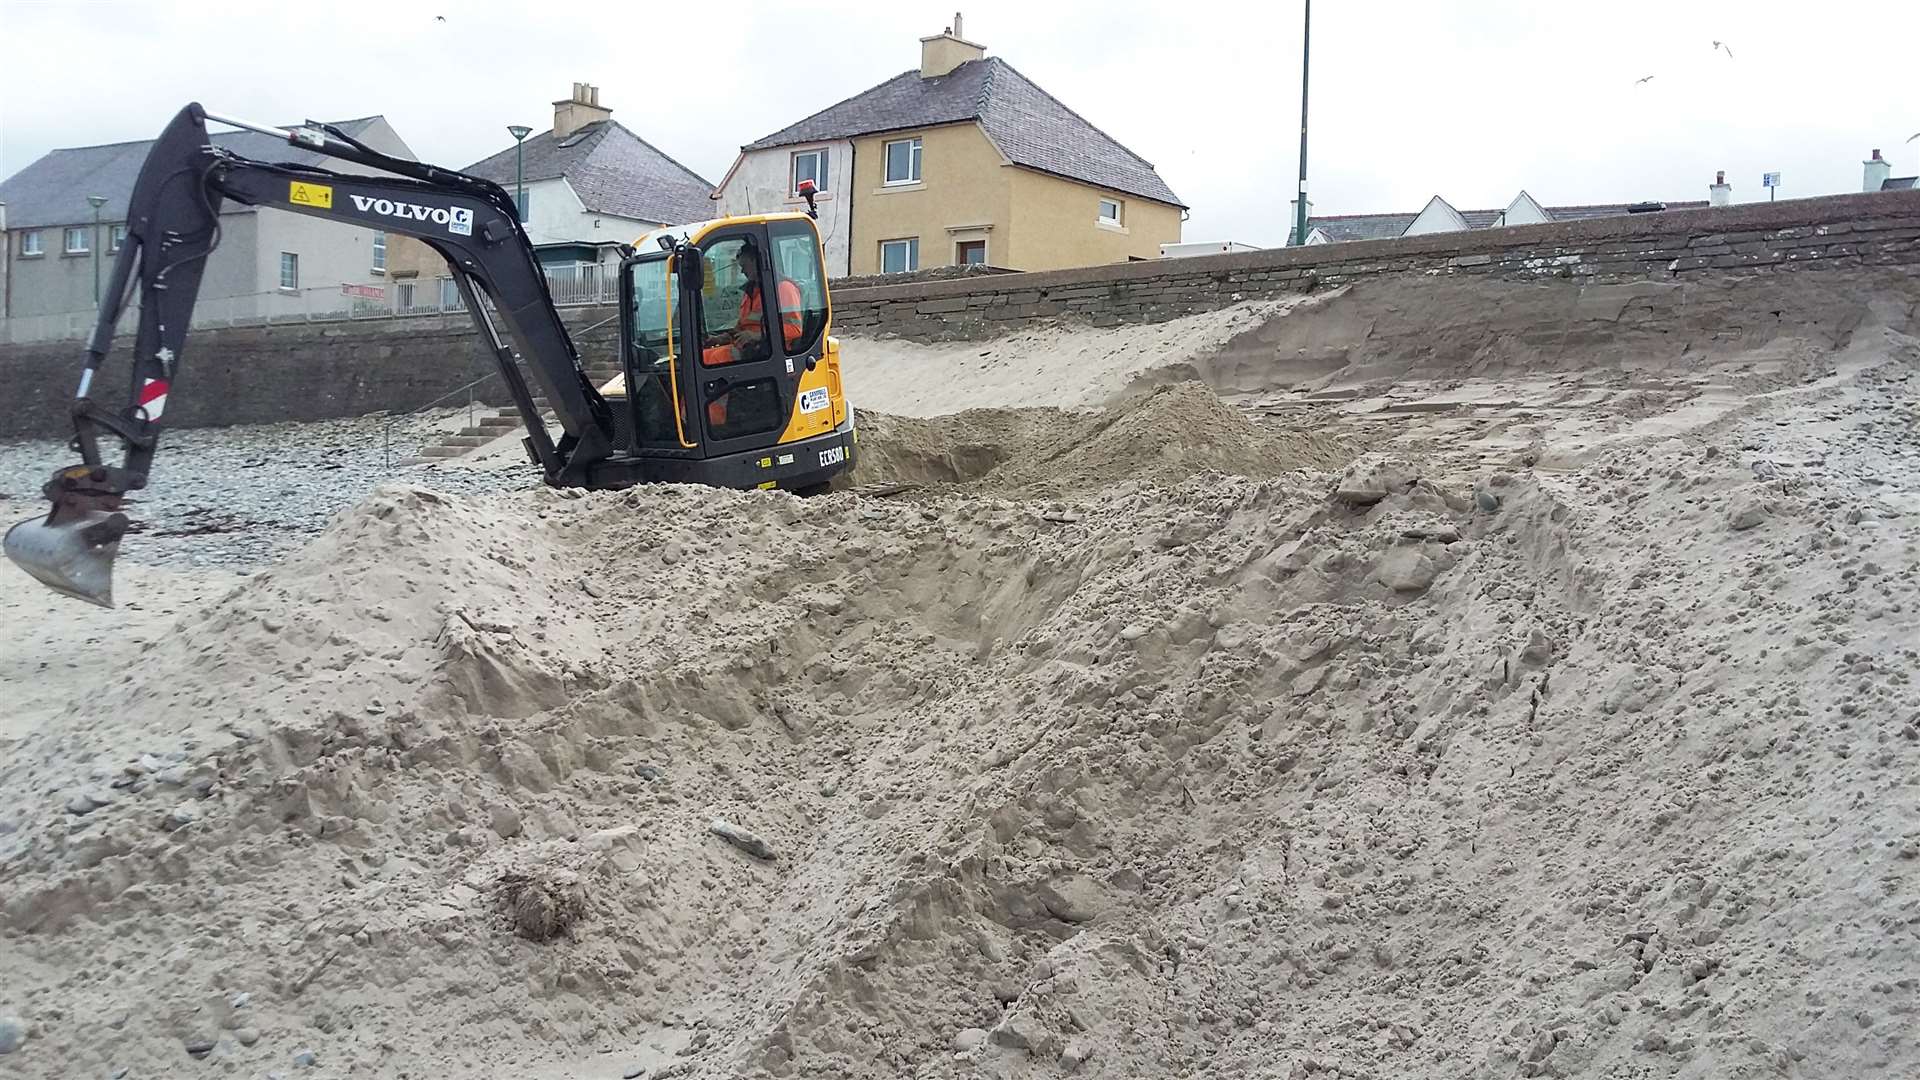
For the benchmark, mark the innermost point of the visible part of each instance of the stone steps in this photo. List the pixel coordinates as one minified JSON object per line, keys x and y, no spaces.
{"x":485,"y":429}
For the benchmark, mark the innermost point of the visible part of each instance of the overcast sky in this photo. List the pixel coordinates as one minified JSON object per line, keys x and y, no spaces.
{"x":1471,"y":99}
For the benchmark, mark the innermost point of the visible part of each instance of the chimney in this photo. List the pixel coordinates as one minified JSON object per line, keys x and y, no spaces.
{"x":947,"y":50}
{"x":1720,"y":193}
{"x":1876,"y":172}
{"x":583,"y":108}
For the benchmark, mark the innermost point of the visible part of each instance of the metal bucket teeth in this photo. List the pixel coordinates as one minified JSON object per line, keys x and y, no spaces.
{"x":74,"y":557}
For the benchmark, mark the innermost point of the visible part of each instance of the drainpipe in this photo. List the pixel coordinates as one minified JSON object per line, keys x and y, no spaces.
{"x":852,"y":148}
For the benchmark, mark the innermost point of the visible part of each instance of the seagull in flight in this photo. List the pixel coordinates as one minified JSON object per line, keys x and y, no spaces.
{"x":1638,"y":82}
{"x":439,"y":18}
{"x":1723,"y":46}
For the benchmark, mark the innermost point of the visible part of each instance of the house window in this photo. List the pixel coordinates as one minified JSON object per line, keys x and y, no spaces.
{"x":1109,"y":211}
{"x":31,"y":243}
{"x":116,"y":237}
{"x":449,"y":294}
{"x":289,"y":270}
{"x":899,"y":256}
{"x":809,"y":165}
{"x":76,"y":240}
{"x":405,"y":299}
{"x":380,"y":251}
{"x":522,"y":201}
{"x":970,"y":253}
{"x":903,"y":161}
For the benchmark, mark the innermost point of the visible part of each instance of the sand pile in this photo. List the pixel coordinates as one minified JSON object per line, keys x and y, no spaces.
{"x":1058,"y":366}
{"x":1144,"y":769}
{"x":1163,"y":436}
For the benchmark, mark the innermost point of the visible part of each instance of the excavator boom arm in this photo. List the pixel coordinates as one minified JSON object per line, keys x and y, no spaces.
{"x":173,"y":224}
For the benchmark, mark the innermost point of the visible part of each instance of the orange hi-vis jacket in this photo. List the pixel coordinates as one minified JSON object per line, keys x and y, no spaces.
{"x":752,"y":327}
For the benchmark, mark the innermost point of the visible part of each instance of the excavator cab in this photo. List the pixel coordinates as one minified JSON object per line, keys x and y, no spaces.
{"x":731,"y":376}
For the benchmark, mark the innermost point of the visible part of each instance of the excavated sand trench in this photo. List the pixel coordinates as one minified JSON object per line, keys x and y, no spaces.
{"x":1518,"y":681}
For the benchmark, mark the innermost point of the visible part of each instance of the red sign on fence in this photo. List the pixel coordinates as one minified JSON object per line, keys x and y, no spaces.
{"x":365,"y":292}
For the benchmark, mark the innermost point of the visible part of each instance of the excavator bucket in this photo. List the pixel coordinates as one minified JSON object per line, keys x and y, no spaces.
{"x":72,"y":556}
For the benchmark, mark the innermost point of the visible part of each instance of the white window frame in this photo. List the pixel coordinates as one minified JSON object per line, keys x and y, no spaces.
{"x":986,"y":249}
{"x":913,"y":159}
{"x":285,"y":266}
{"x":66,"y":241}
{"x":32,"y":244}
{"x":403,"y":293}
{"x":379,"y":251}
{"x":1119,"y":212}
{"x":912,"y":244}
{"x":116,"y":238}
{"x":819,"y":154}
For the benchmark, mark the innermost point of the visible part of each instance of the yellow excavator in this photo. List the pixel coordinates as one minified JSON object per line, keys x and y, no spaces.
{"x":730,"y":376}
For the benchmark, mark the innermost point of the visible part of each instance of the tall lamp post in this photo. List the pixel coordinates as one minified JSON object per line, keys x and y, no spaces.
{"x":1300,"y":208}
{"x":519,"y":133}
{"x":97,"y":201}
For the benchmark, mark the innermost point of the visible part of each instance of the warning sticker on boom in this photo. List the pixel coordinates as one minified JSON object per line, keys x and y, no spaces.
{"x":319,"y":195}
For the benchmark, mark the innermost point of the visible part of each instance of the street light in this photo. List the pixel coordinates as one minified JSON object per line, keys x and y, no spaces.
{"x":97,"y":202}
{"x":519,"y":133}
{"x":1300,"y":207}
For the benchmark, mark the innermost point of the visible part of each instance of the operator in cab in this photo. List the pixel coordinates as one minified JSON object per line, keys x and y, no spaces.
{"x":747,"y":340}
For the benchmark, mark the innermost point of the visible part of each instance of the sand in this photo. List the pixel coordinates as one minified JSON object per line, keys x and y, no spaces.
{"x":1441,"y":713}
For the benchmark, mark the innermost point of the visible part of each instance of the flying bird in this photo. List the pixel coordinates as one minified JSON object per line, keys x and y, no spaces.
{"x":1648,"y":79}
{"x":439,"y":18}
{"x":1725,"y":47}
{"x":1915,"y":135}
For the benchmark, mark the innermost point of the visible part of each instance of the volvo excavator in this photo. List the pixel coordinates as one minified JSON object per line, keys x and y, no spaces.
{"x":714,"y":390}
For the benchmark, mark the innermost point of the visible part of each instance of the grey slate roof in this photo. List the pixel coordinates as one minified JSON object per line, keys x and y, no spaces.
{"x":53,"y":190}
{"x":613,"y":171}
{"x":1030,"y":126}
{"x":1899,"y":183}
{"x":1343,"y":227}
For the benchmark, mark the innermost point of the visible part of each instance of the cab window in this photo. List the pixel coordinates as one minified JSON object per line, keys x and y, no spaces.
{"x":734,"y":314}
{"x":654,"y":305}
{"x":802,"y":283}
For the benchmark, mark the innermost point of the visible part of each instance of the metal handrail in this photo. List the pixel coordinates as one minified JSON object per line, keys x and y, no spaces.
{"x":387,"y":432}
{"x":387,"y":435}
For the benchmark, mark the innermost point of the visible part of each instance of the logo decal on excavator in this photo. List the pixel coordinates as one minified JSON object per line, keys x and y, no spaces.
{"x":457,"y":219}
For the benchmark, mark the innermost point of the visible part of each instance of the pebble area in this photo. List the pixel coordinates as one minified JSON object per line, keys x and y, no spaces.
{"x":238,"y":497}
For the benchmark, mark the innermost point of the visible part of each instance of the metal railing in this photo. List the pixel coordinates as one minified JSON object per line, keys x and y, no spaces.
{"x":472,"y":407}
{"x":570,"y":286}
{"x":472,"y":401}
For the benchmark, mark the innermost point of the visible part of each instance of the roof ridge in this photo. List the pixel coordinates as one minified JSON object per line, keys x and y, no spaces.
{"x":826,"y":109}
{"x":215,"y":134}
{"x":1124,"y":148}
{"x":669,"y":158}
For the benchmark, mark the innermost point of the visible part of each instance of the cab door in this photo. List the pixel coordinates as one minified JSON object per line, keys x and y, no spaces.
{"x":752,"y":351}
